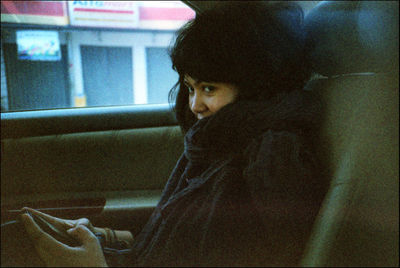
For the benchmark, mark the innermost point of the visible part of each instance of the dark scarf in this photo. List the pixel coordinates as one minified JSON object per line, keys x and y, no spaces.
{"x":231,"y":129}
{"x":200,"y":206}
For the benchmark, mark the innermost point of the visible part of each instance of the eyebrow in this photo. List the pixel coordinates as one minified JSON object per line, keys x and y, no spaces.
{"x":196,"y":82}
{"x":188,"y":83}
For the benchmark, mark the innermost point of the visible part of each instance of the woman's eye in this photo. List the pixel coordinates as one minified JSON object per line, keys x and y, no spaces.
{"x":208,"y":89}
{"x":190,"y":89}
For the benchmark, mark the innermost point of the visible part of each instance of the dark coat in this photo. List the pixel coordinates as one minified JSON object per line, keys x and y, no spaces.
{"x":245,"y":191}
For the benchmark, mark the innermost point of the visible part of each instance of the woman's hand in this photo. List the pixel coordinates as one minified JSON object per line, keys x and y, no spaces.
{"x":110,"y":237}
{"x":55,"y":253}
{"x":62,"y":224}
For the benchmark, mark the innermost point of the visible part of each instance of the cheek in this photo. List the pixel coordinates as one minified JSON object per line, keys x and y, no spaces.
{"x":190,"y":101}
{"x":217,"y":103}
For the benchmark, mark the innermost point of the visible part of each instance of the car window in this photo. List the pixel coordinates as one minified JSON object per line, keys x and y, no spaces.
{"x":66,"y":54}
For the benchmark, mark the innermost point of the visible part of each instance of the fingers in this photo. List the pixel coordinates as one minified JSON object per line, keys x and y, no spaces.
{"x":53,"y":220}
{"x":82,"y":234}
{"x":41,"y":239}
{"x":82,"y":221}
{"x":51,"y":251}
{"x":61,"y":223}
{"x":37,"y":212}
{"x":94,"y":256}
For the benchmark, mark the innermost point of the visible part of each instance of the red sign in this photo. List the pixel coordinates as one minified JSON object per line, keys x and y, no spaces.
{"x":115,"y":14}
{"x":166,"y":15}
{"x":34,"y":12}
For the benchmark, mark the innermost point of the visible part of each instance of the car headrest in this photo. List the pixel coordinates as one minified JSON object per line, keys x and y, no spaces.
{"x":353,"y":37}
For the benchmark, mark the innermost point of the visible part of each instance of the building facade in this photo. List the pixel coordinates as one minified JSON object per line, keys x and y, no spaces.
{"x":63,"y":54}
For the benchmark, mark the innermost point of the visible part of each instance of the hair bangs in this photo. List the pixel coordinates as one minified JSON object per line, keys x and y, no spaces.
{"x":199,"y":56}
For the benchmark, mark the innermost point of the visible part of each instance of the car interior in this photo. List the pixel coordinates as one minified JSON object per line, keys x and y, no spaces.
{"x":110,"y":164}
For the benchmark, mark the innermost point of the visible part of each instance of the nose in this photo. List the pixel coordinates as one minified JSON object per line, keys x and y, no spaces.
{"x":196,"y":103}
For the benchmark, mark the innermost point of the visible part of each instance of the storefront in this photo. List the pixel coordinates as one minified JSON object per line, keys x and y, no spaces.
{"x":88,"y":53}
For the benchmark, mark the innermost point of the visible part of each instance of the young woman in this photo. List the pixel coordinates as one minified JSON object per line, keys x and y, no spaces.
{"x":247,"y":188}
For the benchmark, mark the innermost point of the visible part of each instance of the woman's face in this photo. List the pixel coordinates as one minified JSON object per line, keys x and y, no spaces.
{"x":206,"y":98}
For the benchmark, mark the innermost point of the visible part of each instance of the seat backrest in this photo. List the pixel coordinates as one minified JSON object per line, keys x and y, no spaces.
{"x":354,"y":50}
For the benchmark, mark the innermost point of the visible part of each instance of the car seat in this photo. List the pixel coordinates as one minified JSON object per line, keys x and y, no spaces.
{"x":354,"y":52}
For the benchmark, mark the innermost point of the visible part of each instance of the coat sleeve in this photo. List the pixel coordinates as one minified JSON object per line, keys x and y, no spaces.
{"x":286,"y":189}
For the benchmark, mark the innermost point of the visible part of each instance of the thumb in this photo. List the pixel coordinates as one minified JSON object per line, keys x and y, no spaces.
{"x":82,"y":234}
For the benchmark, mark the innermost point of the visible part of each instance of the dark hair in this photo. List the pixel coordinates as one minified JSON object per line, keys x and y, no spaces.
{"x":254,"y":45}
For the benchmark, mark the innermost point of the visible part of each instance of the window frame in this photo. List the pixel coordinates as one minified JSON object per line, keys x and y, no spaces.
{"x":73,"y":120}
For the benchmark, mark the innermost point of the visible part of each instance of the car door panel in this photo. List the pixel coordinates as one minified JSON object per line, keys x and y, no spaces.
{"x":109,"y":166}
